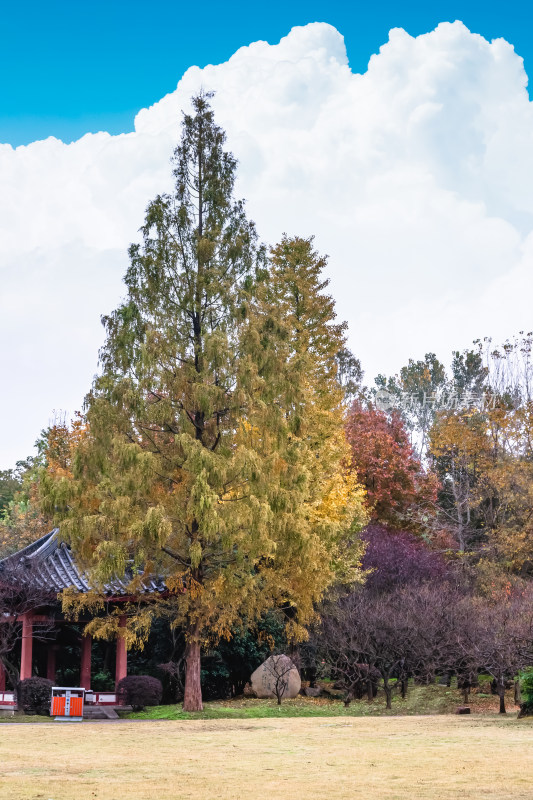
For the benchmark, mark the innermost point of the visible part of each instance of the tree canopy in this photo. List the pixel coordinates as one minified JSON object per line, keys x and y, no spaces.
{"x":212,"y":449}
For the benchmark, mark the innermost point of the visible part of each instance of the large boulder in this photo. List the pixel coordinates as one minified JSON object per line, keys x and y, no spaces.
{"x":312,"y":691}
{"x":280,"y":670}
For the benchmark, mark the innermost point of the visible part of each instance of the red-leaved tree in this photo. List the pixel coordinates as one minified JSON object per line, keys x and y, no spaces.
{"x":399,"y":491}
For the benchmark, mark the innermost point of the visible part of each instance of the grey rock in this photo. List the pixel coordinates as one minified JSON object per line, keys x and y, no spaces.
{"x":276,"y":668}
{"x":312,"y":691}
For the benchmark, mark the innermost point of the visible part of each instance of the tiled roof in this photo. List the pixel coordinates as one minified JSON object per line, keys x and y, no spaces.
{"x":53,"y":568}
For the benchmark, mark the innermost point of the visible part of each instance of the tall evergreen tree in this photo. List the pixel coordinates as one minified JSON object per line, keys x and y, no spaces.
{"x":193,"y":464}
{"x":334,"y":506}
{"x":296,"y":289}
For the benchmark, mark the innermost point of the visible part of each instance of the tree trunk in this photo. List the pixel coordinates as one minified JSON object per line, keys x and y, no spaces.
{"x":501,"y":693}
{"x":12,"y":672}
{"x":369,"y":691}
{"x":517,"y":693}
{"x":465,"y":694}
{"x":404,"y":688}
{"x":388,"y":692}
{"x":192,"y":700}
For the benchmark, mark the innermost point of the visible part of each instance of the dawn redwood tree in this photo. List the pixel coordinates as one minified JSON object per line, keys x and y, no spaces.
{"x":204,"y":434}
{"x":312,"y":340}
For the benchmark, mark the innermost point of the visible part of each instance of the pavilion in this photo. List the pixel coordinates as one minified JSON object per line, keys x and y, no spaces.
{"x":52,"y":568}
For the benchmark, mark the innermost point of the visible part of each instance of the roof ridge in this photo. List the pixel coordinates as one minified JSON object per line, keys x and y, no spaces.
{"x":54,"y":563}
{"x":49,"y":544}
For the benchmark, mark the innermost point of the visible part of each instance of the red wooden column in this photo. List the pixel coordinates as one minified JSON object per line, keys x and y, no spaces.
{"x":85,"y":670}
{"x":27,"y":646}
{"x":51,"y":663}
{"x":121,"y":668}
{"x":2,"y":677}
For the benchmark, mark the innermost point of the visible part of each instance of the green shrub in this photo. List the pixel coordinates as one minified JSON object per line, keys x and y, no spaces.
{"x":139,"y":691}
{"x":227,"y":667}
{"x":102,"y":682}
{"x":34,"y":695}
{"x":526,"y":688}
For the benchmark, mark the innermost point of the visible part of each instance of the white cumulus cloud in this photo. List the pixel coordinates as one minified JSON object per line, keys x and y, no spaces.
{"x":415,"y":177}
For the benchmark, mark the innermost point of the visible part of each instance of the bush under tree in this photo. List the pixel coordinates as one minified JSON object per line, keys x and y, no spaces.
{"x":34,"y":695}
{"x":139,"y":691}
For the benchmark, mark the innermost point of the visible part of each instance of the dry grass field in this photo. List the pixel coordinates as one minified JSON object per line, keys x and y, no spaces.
{"x":394,"y":758}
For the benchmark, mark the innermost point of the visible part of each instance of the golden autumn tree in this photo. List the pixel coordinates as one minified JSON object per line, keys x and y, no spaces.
{"x":212,"y":455}
{"x":508,"y":484}
{"x":486,"y":482}
{"x":508,"y":516}
{"x":313,"y":339}
{"x":461,"y":453}
{"x":22,"y":520}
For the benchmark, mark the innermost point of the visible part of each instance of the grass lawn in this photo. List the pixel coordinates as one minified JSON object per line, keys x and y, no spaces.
{"x":420,"y":700}
{"x":331,"y":758}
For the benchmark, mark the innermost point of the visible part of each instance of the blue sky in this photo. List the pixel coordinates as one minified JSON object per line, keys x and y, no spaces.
{"x":71,"y":67}
{"x":414,"y":177}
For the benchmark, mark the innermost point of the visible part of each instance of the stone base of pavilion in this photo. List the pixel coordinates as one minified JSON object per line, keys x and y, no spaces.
{"x":8,"y":704}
